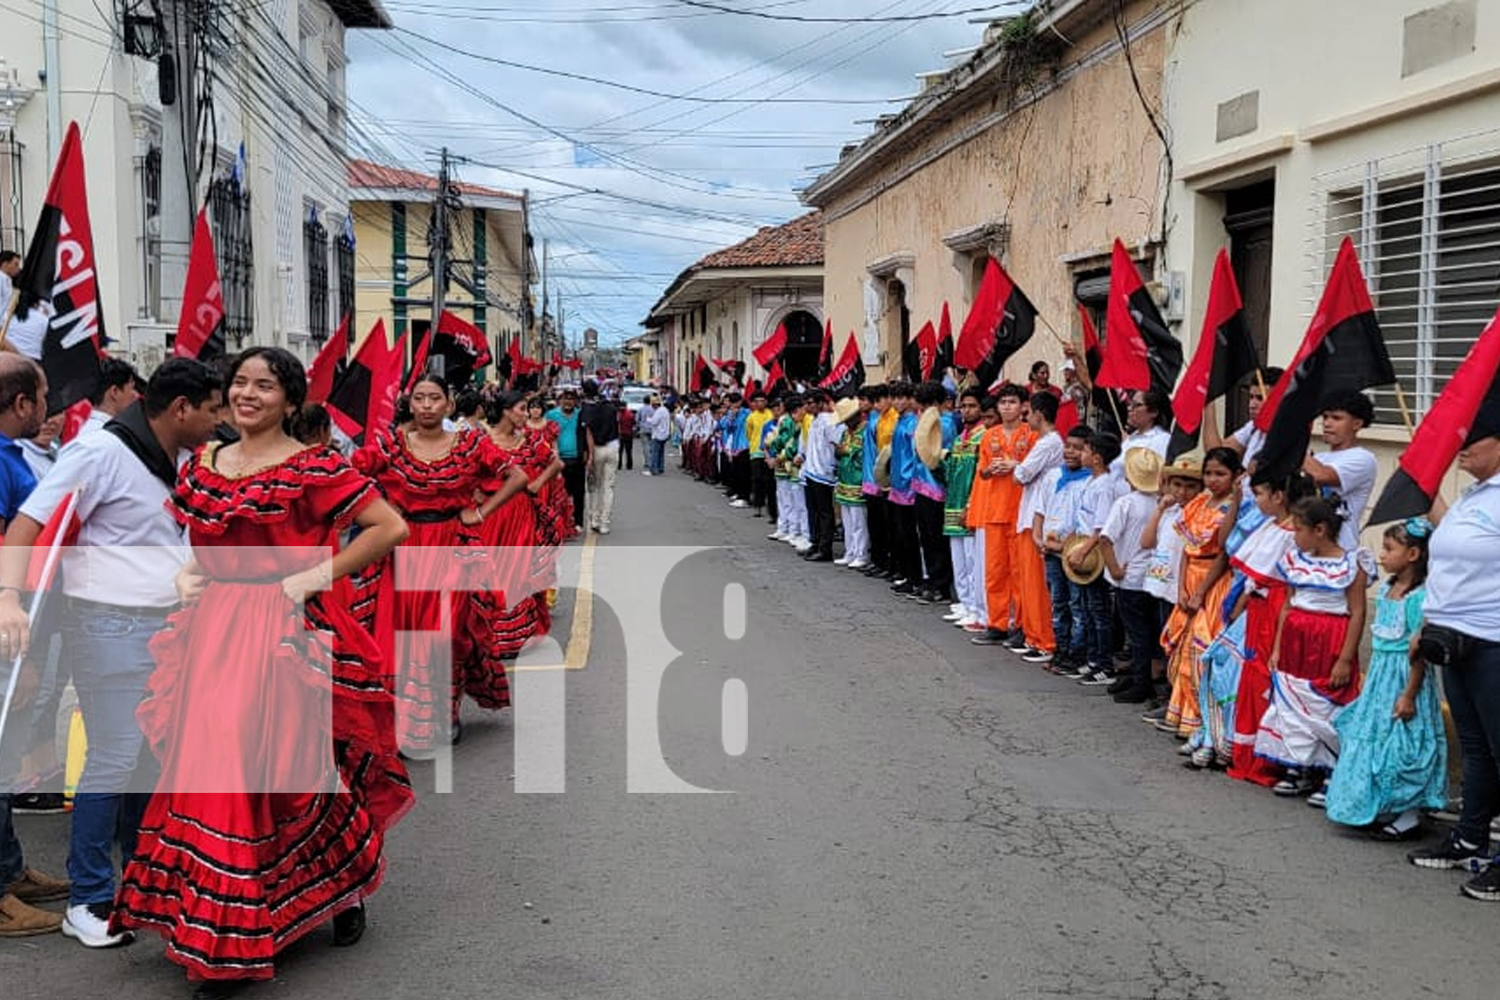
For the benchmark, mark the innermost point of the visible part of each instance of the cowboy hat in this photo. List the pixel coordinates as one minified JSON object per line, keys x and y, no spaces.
{"x":883,"y":468}
{"x":929,"y":437}
{"x":844,"y":410}
{"x":1143,"y":469}
{"x":1093,"y":563}
{"x":1189,"y":466}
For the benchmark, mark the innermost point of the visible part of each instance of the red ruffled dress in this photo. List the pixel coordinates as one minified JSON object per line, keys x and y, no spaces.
{"x":441,"y":555}
{"x":276,"y":736}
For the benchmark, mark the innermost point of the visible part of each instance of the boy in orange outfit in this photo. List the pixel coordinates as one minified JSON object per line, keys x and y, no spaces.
{"x":995,"y":508}
{"x":1046,"y":453}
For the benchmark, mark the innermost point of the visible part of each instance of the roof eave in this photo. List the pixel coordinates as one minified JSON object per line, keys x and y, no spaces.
{"x":361,"y":14}
{"x":721,"y":278}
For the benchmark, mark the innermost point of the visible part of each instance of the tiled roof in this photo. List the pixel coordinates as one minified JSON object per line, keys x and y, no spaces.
{"x":364,"y":174}
{"x":797,"y":243}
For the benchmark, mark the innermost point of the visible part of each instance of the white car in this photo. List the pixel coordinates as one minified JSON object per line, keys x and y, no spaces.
{"x":635,"y":396}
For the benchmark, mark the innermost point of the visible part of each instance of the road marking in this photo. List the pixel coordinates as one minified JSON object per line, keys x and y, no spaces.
{"x":581,"y":635}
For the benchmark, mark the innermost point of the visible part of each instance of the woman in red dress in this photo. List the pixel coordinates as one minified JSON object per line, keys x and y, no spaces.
{"x":555,"y":492}
{"x":433,"y":476}
{"x":517,"y":612}
{"x":276,"y":738}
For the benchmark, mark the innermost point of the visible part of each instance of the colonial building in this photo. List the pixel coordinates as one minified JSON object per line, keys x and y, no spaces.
{"x":492,"y":267}
{"x":1039,"y":150}
{"x":269,"y":85}
{"x":732,"y":299}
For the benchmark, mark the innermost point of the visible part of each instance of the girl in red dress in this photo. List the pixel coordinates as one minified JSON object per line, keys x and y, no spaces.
{"x":532,"y":530}
{"x":433,"y":476}
{"x":276,"y":737}
{"x":555,"y":492}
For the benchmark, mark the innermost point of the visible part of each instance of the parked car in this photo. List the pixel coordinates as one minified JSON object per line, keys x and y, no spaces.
{"x":635,"y":396}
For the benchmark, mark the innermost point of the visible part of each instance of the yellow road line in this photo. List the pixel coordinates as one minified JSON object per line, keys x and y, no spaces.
{"x":581,"y":635}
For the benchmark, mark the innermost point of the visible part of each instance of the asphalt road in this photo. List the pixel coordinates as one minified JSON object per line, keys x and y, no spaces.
{"x":912,"y":816}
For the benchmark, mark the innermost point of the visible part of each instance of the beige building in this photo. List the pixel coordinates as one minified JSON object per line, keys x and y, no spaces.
{"x":1038,"y":150}
{"x":493,"y":267}
{"x":1373,"y":119}
{"x":733,"y":299}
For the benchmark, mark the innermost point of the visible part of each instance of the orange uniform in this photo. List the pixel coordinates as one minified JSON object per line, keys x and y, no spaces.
{"x":993,"y":509}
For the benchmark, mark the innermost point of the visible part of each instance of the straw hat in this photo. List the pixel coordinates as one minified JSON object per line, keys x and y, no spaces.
{"x":844,"y":410}
{"x":883,"y":468}
{"x":1093,"y":564}
{"x":1143,"y":469}
{"x":929,"y":437}
{"x":1189,"y":466}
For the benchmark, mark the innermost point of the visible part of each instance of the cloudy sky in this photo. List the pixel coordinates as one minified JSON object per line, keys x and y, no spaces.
{"x":773,"y":100}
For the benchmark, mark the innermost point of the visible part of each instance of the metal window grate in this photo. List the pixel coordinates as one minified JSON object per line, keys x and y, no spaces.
{"x":344,"y":250}
{"x":229,"y":208}
{"x":315,"y":253}
{"x":1426,"y":223}
{"x":12,"y":200}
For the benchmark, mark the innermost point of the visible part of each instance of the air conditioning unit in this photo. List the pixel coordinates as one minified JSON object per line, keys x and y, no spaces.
{"x":147,"y":345}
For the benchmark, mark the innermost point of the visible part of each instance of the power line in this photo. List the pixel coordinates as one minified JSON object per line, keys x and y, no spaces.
{"x":891,"y":19}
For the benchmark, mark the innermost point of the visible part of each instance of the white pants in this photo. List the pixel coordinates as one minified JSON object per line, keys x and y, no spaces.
{"x":796,"y":506}
{"x":783,"y":509}
{"x":965,"y":576}
{"x":601,"y":484}
{"x":981,"y":606}
{"x":856,"y":533}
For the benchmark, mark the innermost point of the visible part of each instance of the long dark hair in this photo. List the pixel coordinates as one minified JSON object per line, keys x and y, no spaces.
{"x":1415,"y":533}
{"x":496,"y":407}
{"x":1326,"y":511}
{"x":287,"y":369}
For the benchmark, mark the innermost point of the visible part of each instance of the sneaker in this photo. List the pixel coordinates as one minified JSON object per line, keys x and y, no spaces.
{"x":1485,"y":886}
{"x":977,"y":627}
{"x":647,"y":472}
{"x":1452,"y":852}
{"x":924,"y":597}
{"x":859,"y":564}
{"x":989,"y":637}
{"x":20,"y":919}
{"x":902,"y":589}
{"x":1037,"y":656}
{"x":1163,"y":725}
{"x":776,"y":536}
{"x":1186,"y":750}
{"x":955,"y":616}
{"x":1099,"y":678}
{"x":604,"y":530}
{"x":39,"y":803}
{"x":841,"y":561}
{"x":1319,"y":799}
{"x":1202,"y":757}
{"x":89,"y":926}
{"x":1016,"y":642}
{"x":1080,"y":671}
{"x":1122,"y":683}
{"x":738,"y":504}
{"x":1154,"y":715}
{"x":802,"y":544}
{"x":1292,"y":786}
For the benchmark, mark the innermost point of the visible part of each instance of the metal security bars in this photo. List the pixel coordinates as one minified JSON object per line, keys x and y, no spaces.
{"x":315,"y":253}
{"x":229,"y":208}
{"x":344,"y":255}
{"x":1426,"y":223}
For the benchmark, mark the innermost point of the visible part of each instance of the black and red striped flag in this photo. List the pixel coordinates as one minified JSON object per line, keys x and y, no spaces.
{"x":200,"y":325}
{"x":771,"y":348}
{"x":703,"y":375}
{"x":61,"y":269}
{"x":1343,"y":351}
{"x":848,"y":374}
{"x":1444,"y":431}
{"x":1225,"y":355}
{"x":1139,"y":351}
{"x":825,"y":353}
{"x":363,"y":398}
{"x":1093,"y":353}
{"x":920,"y":354}
{"x":944,"y":359}
{"x":326,"y":367}
{"x":999,"y":324}
{"x":775,"y":379}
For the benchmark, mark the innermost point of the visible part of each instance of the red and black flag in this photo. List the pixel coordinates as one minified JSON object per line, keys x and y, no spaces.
{"x":1093,"y":353}
{"x":848,"y":375}
{"x":999,"y":324}
{"x":920,"y":354}
{"x":61,"y":269}
{"x":771,"y":348}
{"x":1224,"y":356}
{"x":460,"y":344}
{"x":200,"y":325}
{"x":1342,"y":352}
{"x":1445,"y":430}
{"x":328,"y":365}
{"x":775,"y":379}
{"x":1139,"y":351}
{"x":733,"y":367}
{"x":703,"y":375}
{"x":363,"y":397}
{"x":825,"y":353}
{"x":944,"y":359}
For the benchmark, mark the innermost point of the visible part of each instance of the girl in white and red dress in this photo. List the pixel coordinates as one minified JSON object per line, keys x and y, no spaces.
{"x":279,"y":769}
{"x":433,"y":477}
{"x":1315,"y":657}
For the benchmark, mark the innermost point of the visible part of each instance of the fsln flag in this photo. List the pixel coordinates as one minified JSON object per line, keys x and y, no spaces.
{"x":771,"y":348}
{"x":703,"y":375}
{"x":944,"y":359}
{"x":1343,"y":351}
{"x":1225,"y":355}
{"x":61,"y":269}
{"x":1093,"y":352}
{"x":1444,"y":431}
{"x":1000,"y":323}
{"x":848,"y":374}
{"x":920,"y":355}
{"x":329,"y":363}
{"x":363,"y":397}
{"x":825,"y":352}
{"x":200,"y":326}
{"x":775,"y":379}
{"x":1139,"y":351}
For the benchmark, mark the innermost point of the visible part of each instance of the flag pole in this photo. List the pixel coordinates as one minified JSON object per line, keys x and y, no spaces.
{"x":10,"y":314}
{"x":1055,"y":335}
{"x":1405,"y":411}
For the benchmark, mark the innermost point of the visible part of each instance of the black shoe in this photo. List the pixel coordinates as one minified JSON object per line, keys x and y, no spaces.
{"x":903,"y":588}
{"x":1016,"y":641}
{"x":1451,"y":853}
{"x":925,"y":596}
{"x":1485,"y":886}
{"x":1122,"y":683}
{"x":219,"y":989}
{"x":994,"y":637}
{"x":872,"y":570}
{"x":40,"y":803}
{"x":820,"y":557}
{"x":349,"y":927}
{"x":1134,"y":695}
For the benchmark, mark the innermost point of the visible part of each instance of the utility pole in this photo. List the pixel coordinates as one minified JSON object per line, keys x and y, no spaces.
{"x":179,"y":148}
{"x":52,"y":67}
{"x":545,"y":334}
{"x":525,"y":316}
{"x":562,"y":333}
{"x":438,"y":244}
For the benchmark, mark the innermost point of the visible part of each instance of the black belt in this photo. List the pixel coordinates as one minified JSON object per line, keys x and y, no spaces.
{"x":133,"y":611}
{"x":434,"y":516}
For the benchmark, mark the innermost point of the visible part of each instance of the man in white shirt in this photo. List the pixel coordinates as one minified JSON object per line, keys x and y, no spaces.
{"x":1346,"y":468}
{"x":10,"y":269}
{"x":118,"y":389}
{"x":118,"y":589}
{"x":820,"y":473}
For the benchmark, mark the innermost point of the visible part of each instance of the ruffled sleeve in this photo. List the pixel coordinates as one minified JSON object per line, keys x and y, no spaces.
{"x":209,"y":503}
{"x":373,"y":458}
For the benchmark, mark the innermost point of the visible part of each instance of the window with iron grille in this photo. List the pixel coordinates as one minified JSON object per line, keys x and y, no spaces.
{"x":151,"y":244}
{"x":315,"y":252}
{"x":345,"y":253}
{"x":12,"y":215}
{"x":229,"y":208}
{"x":1426,"y":224}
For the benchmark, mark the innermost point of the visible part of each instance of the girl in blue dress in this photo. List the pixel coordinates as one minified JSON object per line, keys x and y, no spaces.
{"x":1393,"y":758}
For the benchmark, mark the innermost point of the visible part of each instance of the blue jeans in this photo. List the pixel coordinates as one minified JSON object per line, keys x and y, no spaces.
{"x":111,"y":664}
{"x":656,"y":456}
{"x":1067,"y":609}
{"x":1098,"y":624}
{"x":1472,"y":687}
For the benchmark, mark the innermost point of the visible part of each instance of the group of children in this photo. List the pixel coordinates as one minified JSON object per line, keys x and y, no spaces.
{"x":1231,"y":606}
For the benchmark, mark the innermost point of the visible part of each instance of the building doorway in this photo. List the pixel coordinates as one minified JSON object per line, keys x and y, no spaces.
{"x":1248,"y":215}
{"x":804,"y":339}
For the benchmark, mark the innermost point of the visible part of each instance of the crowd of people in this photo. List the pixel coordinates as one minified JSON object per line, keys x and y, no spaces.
{"x":1229,"y":605}
{"x":238,"y":561}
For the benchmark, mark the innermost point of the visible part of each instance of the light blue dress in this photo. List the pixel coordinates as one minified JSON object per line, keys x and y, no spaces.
{"x":1387,"y":766}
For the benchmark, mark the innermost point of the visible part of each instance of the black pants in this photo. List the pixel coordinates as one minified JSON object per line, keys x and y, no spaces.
{"x":739,"y":475}
{"x":878,"y":517}
{"x":573,"y":477}
{"x":906,"y":551}
{"x":627,"y":452}
{"x":762,"y":485}
{"x":1141,"y":615}
{"x":820,"y":516}
{"x":937,"y":554}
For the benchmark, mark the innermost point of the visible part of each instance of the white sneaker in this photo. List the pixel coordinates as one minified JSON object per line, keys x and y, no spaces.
{"x":954,"y":616}
{"x":88,"y":928}
{"x":776,"y":536}
{"x":647,"y":472}
{"x":803,"y":544}
{"x":966,"y":621}
{"x":841,"y":561}
{"x":739,"y":503}
{"x":859,"y":564}
{"x":956,"y":609}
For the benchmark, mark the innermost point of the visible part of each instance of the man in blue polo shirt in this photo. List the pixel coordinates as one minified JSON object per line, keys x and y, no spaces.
{"x":566,"y":416}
